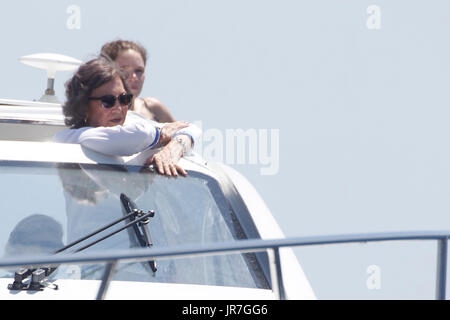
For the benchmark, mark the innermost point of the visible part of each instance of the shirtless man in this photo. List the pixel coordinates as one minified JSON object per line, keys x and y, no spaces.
{"x":131,"y":59}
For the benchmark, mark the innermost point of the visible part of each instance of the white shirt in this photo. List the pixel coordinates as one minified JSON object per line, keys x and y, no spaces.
{"x":135,"y":135}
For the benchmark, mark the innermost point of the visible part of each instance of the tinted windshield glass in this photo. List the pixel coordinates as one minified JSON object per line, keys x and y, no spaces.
{"x":46,"y":206}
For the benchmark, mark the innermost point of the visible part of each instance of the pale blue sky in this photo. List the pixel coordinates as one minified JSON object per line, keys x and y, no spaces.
{"x":362,"y":114}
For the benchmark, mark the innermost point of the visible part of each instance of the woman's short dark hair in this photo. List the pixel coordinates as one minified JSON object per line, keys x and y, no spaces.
{"x":88,"y":77}
{"x":114,"y":48}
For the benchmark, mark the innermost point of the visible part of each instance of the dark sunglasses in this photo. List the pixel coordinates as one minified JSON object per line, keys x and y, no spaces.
{"x":109,"y":101}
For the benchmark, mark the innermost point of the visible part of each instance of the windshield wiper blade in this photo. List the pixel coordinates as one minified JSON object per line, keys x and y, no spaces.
{"x":38,"y":275}
{"x":142,"y":235}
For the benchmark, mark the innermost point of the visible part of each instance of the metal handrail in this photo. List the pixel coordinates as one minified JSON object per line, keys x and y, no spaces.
{"x":251,"y":245}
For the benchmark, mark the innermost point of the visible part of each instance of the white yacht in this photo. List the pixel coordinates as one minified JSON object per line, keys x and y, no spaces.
{"x":77,"y":224}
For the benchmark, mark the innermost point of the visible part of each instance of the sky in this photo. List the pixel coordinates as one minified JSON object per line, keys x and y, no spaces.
{"x":345,"y":104}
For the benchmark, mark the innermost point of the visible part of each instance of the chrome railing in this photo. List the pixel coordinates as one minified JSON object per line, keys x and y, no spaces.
{"x":242,"y":246}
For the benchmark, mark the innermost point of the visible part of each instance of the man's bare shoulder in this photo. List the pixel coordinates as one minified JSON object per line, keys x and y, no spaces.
{"x":157,"y":108}
{"x":154,"y":104}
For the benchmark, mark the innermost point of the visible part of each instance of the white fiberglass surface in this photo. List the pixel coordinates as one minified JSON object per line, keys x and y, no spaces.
{"x":46,"y":206}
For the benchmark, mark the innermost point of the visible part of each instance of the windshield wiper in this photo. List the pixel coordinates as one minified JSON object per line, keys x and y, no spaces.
{"x":142,"y":235}
{"x":137,"y":217}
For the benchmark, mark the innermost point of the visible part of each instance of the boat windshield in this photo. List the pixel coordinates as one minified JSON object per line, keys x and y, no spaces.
{"x":45,"y":206}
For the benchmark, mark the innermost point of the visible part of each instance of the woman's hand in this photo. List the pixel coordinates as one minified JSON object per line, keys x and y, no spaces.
{"x":166,"y":160}
{"x":169,"y":129}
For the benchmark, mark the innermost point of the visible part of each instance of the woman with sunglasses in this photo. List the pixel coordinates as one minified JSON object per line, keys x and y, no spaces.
{"x":96,"y":110}
{"x":131,"y":58}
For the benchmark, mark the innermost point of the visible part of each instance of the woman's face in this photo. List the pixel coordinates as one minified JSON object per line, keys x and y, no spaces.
{"x":130,"y":62}
{"x":99,"y":116}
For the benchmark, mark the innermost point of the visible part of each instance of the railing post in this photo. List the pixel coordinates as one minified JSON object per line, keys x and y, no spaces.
{"x":281,"y":292}
{"x":273,"y":272}
{"x":107,"y":276}
{"x":441,"y":269}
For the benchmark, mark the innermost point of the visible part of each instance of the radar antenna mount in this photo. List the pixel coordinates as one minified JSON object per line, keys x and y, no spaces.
{"x":51,"y":62}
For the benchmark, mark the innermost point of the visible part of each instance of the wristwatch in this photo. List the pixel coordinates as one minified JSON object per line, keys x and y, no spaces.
{"x":182,"y":142}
